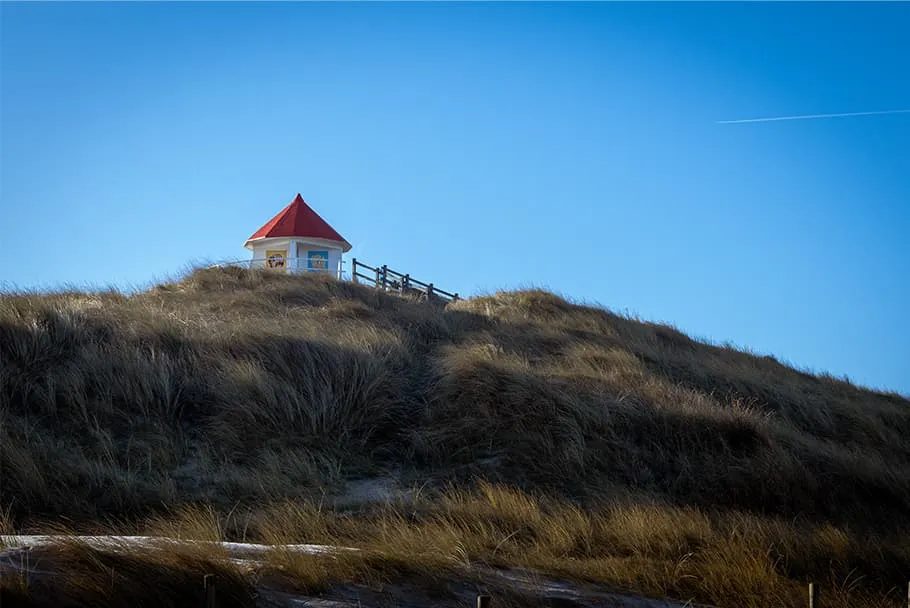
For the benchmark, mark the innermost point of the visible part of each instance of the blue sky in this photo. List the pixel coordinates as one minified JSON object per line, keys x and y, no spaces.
{"x":486,"y":146}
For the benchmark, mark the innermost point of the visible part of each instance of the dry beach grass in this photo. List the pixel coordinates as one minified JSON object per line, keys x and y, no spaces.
{"x":542,"y":433}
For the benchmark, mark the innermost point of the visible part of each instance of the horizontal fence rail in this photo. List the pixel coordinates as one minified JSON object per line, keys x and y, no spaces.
{"x":386,"y":279}
{"x":300,"y":264}
{"x":380,"y":277}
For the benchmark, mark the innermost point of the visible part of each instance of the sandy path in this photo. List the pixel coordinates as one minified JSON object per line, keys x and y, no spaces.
{"x":15,"y":558}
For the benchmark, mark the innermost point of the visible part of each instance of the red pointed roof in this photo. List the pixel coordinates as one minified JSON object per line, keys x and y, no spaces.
{"x":298,"y":219}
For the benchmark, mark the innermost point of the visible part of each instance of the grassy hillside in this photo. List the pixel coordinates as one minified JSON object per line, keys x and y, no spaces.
{"x":242,"y":390}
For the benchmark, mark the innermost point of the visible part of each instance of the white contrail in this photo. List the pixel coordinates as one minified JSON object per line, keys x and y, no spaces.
{"x":808,"y":116}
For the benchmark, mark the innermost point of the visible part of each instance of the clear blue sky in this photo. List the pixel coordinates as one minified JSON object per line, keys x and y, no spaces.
{"x":486,"y":146}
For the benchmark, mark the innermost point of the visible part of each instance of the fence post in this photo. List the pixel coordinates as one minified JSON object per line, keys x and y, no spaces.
{"x":385,"y":274}
{"x":354,"y":270}
{"x":209,"y":582}
{"x":455,"y":298}
{"x":483,"y":601}
{"x":405,"y":281}
{"x":429,"y":292}
{"x":813,"y":595}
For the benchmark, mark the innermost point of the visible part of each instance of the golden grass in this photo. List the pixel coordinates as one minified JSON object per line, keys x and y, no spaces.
{"x":73,"y":574}
{"x":636,"y":456}
{"x":656,"y":550}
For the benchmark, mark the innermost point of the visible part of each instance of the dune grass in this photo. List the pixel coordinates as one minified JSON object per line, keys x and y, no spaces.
{"x":657,"y":550}
{"x":647,"y":459}
{"x":458,"y":539}
{"x":74,"y":575}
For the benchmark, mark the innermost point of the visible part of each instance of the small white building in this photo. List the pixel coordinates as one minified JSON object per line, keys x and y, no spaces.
{"x":298,"y":240}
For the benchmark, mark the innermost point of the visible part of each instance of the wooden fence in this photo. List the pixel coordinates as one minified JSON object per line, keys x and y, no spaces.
{"x":386,"y":279}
